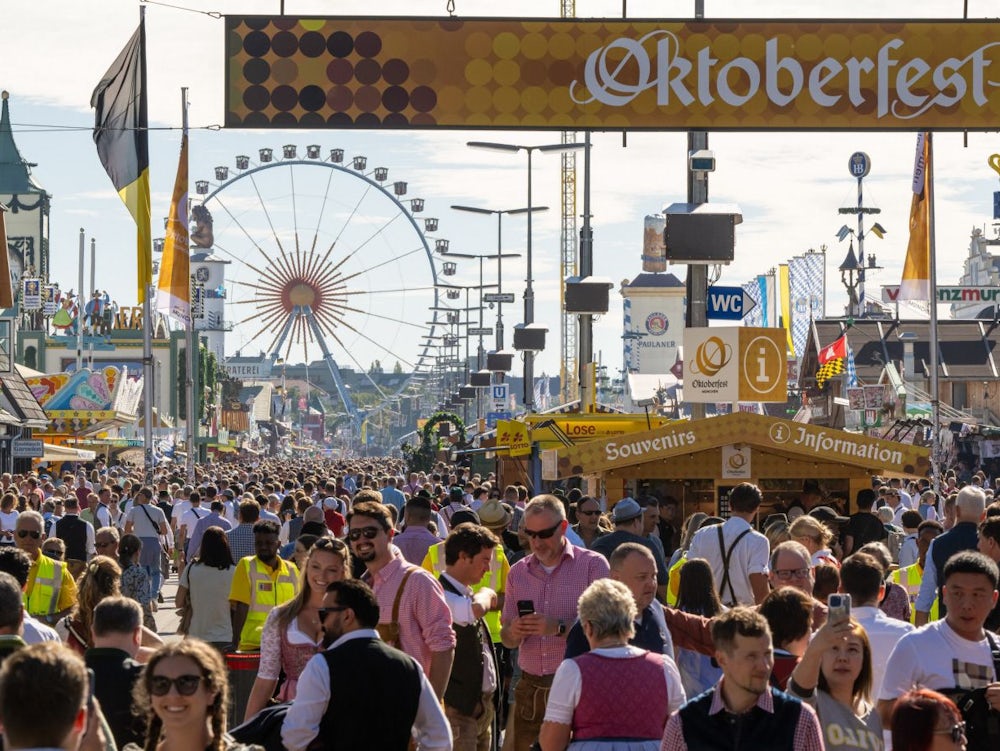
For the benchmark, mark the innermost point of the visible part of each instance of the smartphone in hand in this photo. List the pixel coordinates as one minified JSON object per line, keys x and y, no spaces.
{"x":525,"y":607}
{"x":838,"y":608}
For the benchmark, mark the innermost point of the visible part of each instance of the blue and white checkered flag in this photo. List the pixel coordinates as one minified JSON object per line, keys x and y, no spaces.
{"x":852,"y":372}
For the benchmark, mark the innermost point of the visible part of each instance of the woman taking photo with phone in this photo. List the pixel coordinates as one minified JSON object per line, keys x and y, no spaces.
{"x":834,"y":676}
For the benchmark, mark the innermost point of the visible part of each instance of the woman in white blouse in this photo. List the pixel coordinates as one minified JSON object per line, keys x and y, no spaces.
{"x":293,"y":632}
{"x":616,"y":697}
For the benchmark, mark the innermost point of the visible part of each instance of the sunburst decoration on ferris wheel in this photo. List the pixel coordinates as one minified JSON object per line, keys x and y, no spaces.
{"x":293,"y":284}
{"x":328,"y":260}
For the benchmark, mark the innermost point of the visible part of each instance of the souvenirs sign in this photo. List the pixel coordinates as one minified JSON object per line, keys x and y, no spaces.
{"x":766,"y":435}
{"x":569,"y":74}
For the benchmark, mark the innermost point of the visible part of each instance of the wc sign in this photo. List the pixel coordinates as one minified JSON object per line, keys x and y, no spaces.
{"x":729,"y":303}
{"x":498,"y":391}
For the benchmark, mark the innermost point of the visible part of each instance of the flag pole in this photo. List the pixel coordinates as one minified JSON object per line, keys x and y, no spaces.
{"x":147,"y":320}
{"x":191,"y":424}
{"x":932,"y":283}
{"x":79,"y":309}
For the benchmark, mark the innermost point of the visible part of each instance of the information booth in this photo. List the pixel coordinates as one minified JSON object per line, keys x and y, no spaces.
{"x":700,"y":461}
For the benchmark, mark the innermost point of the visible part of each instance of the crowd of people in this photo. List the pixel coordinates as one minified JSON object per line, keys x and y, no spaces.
{"x":372,"y":607}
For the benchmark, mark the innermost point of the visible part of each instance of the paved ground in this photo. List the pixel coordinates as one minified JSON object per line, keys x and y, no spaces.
{"x":166,"y":615}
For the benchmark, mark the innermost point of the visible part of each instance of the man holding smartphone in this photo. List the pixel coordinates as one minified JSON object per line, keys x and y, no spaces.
{"x":540,"y":606}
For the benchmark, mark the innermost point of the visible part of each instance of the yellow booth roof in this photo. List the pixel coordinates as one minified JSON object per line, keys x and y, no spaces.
{"x":770,"y":435}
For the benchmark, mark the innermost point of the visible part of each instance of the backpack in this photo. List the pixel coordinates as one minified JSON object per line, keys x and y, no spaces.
{"x":982,"y":722}
{"x":894,"y":543}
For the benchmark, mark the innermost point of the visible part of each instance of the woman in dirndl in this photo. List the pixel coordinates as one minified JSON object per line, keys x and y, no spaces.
{"x":616,"y":697}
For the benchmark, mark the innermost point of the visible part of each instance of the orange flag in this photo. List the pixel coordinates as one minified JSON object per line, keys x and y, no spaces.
{"x":173,"y":289}
{"x":916,"y":281}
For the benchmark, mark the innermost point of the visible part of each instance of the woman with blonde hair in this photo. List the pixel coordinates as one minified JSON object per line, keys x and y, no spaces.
{"x":293,"y":632}
{"x":190,"y":674}
{"x":816,"y":537}
{"x":101,"y":578}
{"x":777,"y":532}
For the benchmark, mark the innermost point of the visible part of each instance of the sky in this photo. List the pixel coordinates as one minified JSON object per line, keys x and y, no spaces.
{"x":788,"y":185}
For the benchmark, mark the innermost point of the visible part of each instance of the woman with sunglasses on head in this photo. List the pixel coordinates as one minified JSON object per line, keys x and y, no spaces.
{"x":924,"y":720}
{"x":834,"y":676}
{"x":184,"y":693}
{"x":293,"y":632}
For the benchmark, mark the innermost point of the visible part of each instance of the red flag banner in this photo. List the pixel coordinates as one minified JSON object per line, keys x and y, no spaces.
{"x":837,"y":350}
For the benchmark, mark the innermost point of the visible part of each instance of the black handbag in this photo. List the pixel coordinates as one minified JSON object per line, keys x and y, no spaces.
{"x":982,"y":722}
{"x":264,"y":728}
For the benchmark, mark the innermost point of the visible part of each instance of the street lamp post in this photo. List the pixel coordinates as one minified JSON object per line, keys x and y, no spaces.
{"x":500,"y":255}
{"x":481,"y":352}
{"x":529,"y":292}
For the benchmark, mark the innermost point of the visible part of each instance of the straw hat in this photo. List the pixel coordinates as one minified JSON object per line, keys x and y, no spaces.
{"x":495,"y":514}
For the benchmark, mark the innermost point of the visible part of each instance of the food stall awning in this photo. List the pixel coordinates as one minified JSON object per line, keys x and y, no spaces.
{"x":54,"y":453}
{"x":796,"y":442}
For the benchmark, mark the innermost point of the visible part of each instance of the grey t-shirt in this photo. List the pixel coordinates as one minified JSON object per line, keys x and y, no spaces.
{"x":842,"y":729}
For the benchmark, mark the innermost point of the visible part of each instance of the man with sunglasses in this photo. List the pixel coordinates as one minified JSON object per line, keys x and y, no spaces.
{"x":51,"y":590}
{"x":414,"y":614}
{"x":539,"y":607}
{"x":354,"y":653}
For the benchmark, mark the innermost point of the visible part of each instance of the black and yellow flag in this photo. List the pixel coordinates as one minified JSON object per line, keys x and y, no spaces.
{"x":828,"y":370}
{"x":120,"y":132}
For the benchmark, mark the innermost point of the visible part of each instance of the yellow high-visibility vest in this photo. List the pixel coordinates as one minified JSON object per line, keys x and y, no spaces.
{"x":43,"y":599}
{"x":909,"y":578}
{"x":267,"y":591}
{"x":493,"y":579}
{"x":674,"y":580}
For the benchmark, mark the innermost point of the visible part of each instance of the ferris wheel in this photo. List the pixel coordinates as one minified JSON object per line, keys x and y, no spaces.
{"x":328,"y":257}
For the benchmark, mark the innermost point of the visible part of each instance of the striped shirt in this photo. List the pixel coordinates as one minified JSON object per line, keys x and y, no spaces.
{"x":424,"y":615}
{"x":554,"y":596}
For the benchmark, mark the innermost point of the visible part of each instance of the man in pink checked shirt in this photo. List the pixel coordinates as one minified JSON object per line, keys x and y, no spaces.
{"x":424,"y":619}
{"x":540,"y":606}
{"x":743,"y":711}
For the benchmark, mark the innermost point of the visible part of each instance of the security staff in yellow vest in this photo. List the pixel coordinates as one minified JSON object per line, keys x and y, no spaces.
{"x":674,"y":580}
{"x":496,"y":578}
{"x":910,"y":577}
{"x":261,"y":583}
{"x":50,"y":592}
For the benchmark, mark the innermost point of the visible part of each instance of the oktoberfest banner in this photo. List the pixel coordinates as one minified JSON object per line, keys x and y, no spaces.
{"x":569,"y":74}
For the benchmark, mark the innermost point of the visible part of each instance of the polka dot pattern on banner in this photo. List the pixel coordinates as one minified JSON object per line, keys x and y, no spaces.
{"x":284,"y":71}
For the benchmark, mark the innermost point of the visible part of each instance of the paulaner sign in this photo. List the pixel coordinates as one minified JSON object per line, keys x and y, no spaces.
{"x":288,"y":72}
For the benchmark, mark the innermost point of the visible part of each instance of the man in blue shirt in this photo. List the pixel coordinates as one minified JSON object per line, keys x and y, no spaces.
{"x":391,"y":496}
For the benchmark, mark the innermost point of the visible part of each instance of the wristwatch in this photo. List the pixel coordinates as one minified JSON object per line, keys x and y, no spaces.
{"x":561,"y":630}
